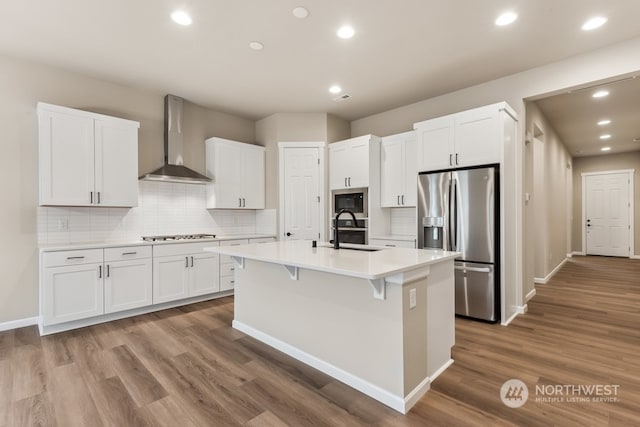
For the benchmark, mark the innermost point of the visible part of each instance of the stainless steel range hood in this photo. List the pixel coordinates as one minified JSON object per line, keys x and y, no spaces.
{"x":174,"y":169}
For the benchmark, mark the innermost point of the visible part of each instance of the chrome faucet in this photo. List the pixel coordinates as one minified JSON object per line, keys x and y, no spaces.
{"x":336,"y":241}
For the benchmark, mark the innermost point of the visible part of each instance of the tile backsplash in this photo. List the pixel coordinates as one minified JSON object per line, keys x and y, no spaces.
{"x":403,"y":221}
{"x":163,"y":208}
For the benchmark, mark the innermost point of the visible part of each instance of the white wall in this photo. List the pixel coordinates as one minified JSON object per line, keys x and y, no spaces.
{"x":22,"y":85}
{"x":579,"y":71}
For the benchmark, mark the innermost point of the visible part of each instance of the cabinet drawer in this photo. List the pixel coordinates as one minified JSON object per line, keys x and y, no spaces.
{"x":234,"y":242}
{"x":181,"y":248}
{"x":227,"y":269}
{"x":126,"y":252}
{"x":393,"y":243}
{"x":81,"y":256}
{"x":227,"y":283}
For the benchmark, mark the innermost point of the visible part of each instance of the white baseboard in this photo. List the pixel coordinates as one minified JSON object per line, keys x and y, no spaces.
{"x":570,"y":255}
{"x":635,"y":257}
{"x":399,"y":403}
{"x":522,"y":309}
{"x":510,"y":319}
{"x":441,"y":369}
{"x":20,"y":323}
{"x":578,"y":253}
{"x":530,"y":295}
{"x":550,"y":275}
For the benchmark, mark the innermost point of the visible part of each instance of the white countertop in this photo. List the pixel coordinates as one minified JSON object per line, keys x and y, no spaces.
{"x":116,"y":244}
{"x":361,"y":264}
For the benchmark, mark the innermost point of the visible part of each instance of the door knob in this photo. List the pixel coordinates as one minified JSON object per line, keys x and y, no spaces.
{"x":289,"y":234}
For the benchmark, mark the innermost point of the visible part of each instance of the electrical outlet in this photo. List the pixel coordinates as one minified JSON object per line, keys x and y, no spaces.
{"x":412,"y":298}
{"x":63,"y":225}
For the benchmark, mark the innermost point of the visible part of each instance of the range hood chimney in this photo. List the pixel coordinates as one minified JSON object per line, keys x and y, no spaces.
{"x":174,"y":169}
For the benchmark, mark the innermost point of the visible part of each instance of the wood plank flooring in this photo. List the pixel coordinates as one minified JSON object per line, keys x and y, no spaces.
{"x":188,"y":367}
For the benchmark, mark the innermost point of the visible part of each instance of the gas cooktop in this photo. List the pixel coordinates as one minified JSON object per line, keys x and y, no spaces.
{"x":178,"y":237}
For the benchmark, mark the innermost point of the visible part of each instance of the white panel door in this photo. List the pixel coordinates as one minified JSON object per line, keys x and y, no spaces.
{"x":301,"y":194}
{"x":607,"y":214}
{"x":66,"y":159}
{"x":253,"y":178}
{"x":391,"y":172}
{"x":478,"y":137}
{"x":170,"y":278}
{"x":73,"y":293}
{"x":204,"y":276}
{"x":116,"y":163}
{"x":128,"y":284}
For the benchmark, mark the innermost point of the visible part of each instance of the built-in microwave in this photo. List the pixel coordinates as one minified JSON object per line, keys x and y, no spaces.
{"x":356,"y":200}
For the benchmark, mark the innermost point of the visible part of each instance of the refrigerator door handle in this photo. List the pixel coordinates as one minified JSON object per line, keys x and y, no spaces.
{"x":474,"y":269}
{"x":453,"y":215}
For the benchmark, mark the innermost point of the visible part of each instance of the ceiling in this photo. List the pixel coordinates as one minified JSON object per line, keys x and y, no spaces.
{"x":402,"y":52}
{"x":575,"y":115}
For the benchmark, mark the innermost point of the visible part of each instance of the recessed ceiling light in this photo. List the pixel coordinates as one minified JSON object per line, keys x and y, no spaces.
{"x":605,"y":149}
{"x":346,"y":32}
{"x":593,"y":23}
{"x":256,"y":45}
{"x":335,"y":89}
{"x":600,"y":94}
{"x":604,"y":122}
{"x":506,"y":18}
{"x":605,"y":136}
{"x":181,"y":17}
{"x":300,"y":12}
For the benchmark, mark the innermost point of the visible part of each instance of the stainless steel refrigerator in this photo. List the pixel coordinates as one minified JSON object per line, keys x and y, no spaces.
{"x":458,"y":210}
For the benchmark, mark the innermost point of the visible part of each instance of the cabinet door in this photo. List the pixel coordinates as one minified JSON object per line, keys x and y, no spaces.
{"x":116,"y":163}
{"x":435,"y":144}
{"x":410,"y":163}
{"x":358,"y":164}
{"x":477,"y":137}
{"x":253,"y":178}
{"x":204,"y":277}
{"x":170,"y":278}
{"x":391,"y":171}
{"x":127,"y":284}
{"x":66,"y":159}
{"x":338,"y":165}
{"x":72,"y":293}
{"x":225,"y":191}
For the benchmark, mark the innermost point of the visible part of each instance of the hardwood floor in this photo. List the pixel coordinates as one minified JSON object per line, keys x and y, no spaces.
{"x":188,"y":367}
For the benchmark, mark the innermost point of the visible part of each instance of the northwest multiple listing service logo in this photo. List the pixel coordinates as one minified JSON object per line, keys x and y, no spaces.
{"x":514,"y":393}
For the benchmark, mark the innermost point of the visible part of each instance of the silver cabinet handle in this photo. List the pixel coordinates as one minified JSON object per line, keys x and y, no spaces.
{"x":129,"y":253}
{"x":239,"y":202}
{"x":391,"y":246}
{"x":233,"y":281}
{"x":244,"y":202}
{"x":232,"y":269}
{"x":191,"y":261}
{"x":99,"y":272}
{"x":398,"y":201}
{"x":91,"y":196}
{"x":450,"y":159}
{"x":108,"y":271}
{"x":75,"y":257}
{"x":345,"y":182}
{"x":186,"y":261}
{"x":98,"y":197}
{"x":473,"y":269}
{"x":349,"y":181}
{"x":456,"y":160}
{"x":403,"y":199}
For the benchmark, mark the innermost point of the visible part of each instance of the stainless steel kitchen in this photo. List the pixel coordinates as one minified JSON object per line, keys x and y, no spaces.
{"x":336,"y":214}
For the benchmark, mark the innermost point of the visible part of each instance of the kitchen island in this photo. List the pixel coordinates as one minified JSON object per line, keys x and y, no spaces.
{"x":381,"y":321}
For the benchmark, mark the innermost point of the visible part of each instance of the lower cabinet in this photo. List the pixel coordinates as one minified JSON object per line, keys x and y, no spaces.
{"x":183,"y":270}
{"x":127,"y":278}
{"x":227,"y":266}
{"x":393,"y":243}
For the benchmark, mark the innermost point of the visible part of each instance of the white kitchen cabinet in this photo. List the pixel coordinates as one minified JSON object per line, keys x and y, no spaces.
{"x":72,"y":286}
{"x":127,"y":278}
{"x":468,"y":138}
{"x":390,"y":243}
{"x":349,"y":163}
{"x":398,"y":170}
{"x":183,"y":270}
{"x":238,"y":173}
{"x":86,"y":159}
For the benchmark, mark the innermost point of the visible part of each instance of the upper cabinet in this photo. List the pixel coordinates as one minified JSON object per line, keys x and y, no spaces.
{"x":398,"y":170}
{"x":349,"y":163}
{"x":469,"y":138}
{"x":86,"y":159}
{"x":238,"y":173}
